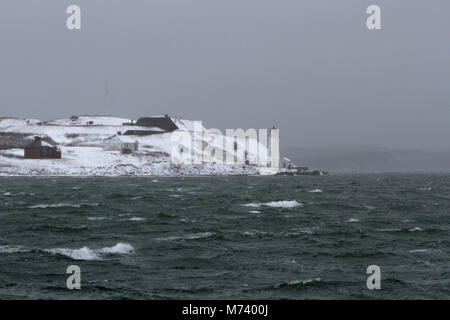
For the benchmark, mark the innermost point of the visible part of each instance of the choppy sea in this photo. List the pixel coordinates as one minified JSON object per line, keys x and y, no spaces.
{"x":226,"y":237}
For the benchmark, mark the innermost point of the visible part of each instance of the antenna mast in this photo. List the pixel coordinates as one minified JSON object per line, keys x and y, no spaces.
{"x":107,"y":98}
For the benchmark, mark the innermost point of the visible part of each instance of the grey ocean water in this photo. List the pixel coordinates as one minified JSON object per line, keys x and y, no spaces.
{"x":226,"y":237}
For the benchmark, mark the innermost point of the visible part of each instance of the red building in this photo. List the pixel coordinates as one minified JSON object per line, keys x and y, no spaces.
{"x":41,"y":150}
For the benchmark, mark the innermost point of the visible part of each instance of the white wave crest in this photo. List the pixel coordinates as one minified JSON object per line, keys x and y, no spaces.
{"x":420,"y":250}
{"x":88,"y":254}
{"x":193,"y":236}
{"x":284,"y":204}
{"x":61,"y":205}
{"x":120,"y":248}
{"x":77,"y":254}
{"x":303,"y":282}
{"x":13,"y":249}
{"x":254,"y":205}
{"x":315,"y":191}
{"x":276,"y":204}
{"x":137,"y":219}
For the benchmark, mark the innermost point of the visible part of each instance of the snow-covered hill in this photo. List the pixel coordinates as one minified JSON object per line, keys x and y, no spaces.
{"x":81,"y":141}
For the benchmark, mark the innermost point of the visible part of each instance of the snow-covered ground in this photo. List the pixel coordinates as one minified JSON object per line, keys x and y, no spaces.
{"x":83,"y":154}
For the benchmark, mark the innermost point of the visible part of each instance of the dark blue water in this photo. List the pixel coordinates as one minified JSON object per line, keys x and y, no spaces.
{"x":226,"y":237}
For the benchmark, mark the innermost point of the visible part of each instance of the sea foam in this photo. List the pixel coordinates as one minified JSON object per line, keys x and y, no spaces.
{"x":13,"y":249}
{"x":77,"y":254}
{"x":62,"y":205}
{"x":420,"y":250}
{"x":88,"y":254}
{"x":276,"y":204}
{"x":137,"y":219}
{"x":192,"y":236}
{"x":120,"y":248}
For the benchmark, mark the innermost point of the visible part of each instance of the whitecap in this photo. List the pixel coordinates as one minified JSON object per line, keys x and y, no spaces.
{"x":315,"y":191}
{"x":276,"y":204}
{"x":415,"y":229}
{"x":88,"y":254}
{"x":137,"y":219}
{"x":61,"y":205}
{"x":96,"y":218}
{"x":120,"y":248}
{"x":255,"y":205}
{"x":255,"y":211}
{"x":77,"y":254}
{"x":199,"y":235}
{"x":353,"y":220}
{"x":124,"y":214}
{"x":284,"y":204}
{"x":79,"y":227}
{"x":13,"y":249}
{"x":193,"y":236}
{"x":420,"y":250}
{"x":252,"y":233}
{"x":303,"y":282}
{"x":7,"y":194}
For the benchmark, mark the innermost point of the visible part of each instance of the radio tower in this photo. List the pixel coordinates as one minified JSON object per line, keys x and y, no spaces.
{"x":107,"y":108}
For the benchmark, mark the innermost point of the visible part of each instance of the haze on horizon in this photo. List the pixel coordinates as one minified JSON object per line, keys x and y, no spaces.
{"x":311,"y":68}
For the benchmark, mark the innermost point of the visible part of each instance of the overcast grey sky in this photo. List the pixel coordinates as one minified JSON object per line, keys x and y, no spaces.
{"x":311,"y":67}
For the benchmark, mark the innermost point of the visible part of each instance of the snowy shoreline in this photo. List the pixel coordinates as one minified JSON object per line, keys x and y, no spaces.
{"x":150,"y":175}
{"x":85,"y":153}
{"x":152,"y":169}
{"x":51,"y":175}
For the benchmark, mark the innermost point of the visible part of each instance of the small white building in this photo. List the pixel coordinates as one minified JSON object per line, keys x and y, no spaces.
{"x":120,"y":143}
{"x":285,"y":163}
